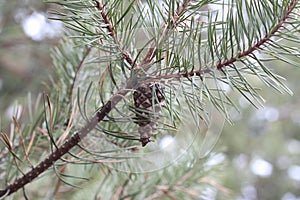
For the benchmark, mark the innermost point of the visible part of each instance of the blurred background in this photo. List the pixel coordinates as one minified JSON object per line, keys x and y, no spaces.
{"x":26,"y":36}
{"x":261,"y":148}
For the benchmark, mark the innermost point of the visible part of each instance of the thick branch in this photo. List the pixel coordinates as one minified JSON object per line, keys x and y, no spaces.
{"x":69,"y":144}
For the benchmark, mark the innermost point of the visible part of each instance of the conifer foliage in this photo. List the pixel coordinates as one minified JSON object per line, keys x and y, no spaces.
{"x":128,"y":74}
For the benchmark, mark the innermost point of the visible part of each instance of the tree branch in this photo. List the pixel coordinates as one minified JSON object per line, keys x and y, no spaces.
{"x":111,"y":30}
{"x":130,"y":84}
{"x":77,"y":137}
{"x":262,"y":41}
{"x":69,"y":144}
{"x":167,"y":26}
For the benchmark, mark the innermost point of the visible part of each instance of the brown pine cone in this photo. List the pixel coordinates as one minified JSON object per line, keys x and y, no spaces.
{"x":144,"y":97}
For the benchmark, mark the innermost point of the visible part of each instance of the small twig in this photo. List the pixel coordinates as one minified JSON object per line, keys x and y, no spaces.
{"x":216,"y":185}
{"x":164,"y":78}
{"x":167,"y":26}
{"x":105,"y":17}
{"x":111,"y":31}
{"x":77,"y":71}
{"x":155,"y":196}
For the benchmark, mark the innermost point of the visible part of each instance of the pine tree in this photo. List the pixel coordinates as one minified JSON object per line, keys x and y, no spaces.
{"x":131,"y":75}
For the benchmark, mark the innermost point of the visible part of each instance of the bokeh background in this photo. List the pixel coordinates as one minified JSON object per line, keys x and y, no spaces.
{"x":261,"y":149}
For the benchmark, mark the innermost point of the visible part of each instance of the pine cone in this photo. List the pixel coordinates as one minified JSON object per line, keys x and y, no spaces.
{"x":148,"y":98}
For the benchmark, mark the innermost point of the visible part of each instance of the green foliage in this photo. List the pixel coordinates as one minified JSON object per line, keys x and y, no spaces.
{"x":194,"y":50}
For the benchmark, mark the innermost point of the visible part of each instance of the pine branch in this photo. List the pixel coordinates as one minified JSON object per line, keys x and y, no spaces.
{"x":167,"y":27}
{"x":65,"y":148}
{"x":131,"y":84}
{"x":111,"y":31}
{"x":265,"y":41}
{"x":77,"y":137}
